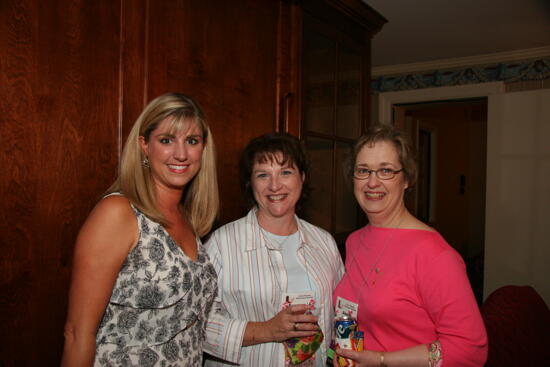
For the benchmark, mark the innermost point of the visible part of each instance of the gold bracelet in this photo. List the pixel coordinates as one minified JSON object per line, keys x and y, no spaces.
{"x":382,"y":364}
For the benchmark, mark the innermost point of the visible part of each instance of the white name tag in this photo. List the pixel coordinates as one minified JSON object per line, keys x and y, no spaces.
{"x":345,"y":307}
{"x":302,"y":298}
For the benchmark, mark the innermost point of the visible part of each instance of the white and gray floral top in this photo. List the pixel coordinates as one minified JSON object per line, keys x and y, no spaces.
{"x":158,"y":309}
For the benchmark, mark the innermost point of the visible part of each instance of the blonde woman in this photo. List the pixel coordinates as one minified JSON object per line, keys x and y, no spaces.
{"x":142,"y":284}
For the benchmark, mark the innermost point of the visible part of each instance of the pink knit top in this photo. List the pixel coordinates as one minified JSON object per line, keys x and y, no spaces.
{"x":420,"y":294}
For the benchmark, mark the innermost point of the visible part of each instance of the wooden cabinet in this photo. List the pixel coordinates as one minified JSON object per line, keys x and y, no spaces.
{"x":74,"y":76}
{"x":326,"y":100}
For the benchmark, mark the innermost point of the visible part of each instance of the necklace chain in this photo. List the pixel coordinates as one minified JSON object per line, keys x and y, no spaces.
{"x":380,"y":254}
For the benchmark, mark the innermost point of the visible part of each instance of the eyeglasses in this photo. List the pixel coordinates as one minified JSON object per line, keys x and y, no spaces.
{"x":362,"y":173}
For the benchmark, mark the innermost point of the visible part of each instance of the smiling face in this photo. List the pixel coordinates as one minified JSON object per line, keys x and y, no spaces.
{"x":381,"y":200}
{"x":174,"y":156}
{"x":277,"y":188}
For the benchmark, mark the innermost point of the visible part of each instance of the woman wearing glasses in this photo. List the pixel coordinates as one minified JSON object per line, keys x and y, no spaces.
{"x":405,"y":285}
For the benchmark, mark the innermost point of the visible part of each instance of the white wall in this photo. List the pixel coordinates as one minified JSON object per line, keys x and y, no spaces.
{"x":517,"y":236}
{"x":517,"y":226}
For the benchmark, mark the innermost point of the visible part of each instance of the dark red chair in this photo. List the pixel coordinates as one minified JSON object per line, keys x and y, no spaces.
{"x":518,"y":326}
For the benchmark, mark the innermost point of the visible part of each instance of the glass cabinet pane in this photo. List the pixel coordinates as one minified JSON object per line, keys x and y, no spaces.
{"x":319,"y":66}
{"x":318,"y":209}
{"x":332,"y":96}
{"x":345,"y":204}
{"x":348,"y":121}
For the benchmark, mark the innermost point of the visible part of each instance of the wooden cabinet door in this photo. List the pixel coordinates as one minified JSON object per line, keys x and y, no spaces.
{"x":327,"y":99}
{"x":59,"y":115}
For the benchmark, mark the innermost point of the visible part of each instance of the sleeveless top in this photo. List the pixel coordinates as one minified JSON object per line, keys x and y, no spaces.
{"x":158,"y":309}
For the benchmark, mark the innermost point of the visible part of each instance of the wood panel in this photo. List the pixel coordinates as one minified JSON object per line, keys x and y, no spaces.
{"x":74,"y":77}
{"x":288,"y":108}
{"x":224,"y":55}
{"x":133,"y":63}
{"x":59,"y":117}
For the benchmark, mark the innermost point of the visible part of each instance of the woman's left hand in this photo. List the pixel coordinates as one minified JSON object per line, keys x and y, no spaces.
{"x":291,"y":322}
{"x":366,"y":358}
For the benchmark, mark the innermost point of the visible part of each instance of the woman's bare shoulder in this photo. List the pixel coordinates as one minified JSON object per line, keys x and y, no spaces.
{"x":114,"y":207}
{"x":115,"y":202}
{"x":112,"y":220}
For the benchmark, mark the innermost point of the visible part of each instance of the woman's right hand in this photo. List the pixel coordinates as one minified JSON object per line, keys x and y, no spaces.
{"x":364,"y":358}
{"x":292,"y":322}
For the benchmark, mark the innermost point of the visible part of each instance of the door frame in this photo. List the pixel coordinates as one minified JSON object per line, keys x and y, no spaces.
{"x":386,"y":100}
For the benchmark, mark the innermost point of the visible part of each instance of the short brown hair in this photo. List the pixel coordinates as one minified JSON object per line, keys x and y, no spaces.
{"x":400,"y":141}
{"x":264,"y":148}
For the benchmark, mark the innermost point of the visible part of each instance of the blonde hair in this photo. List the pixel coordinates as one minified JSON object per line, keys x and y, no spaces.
{"x":200,"y":199}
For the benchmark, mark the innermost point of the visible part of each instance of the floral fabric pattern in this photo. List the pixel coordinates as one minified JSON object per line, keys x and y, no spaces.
{"x":158,"y":309}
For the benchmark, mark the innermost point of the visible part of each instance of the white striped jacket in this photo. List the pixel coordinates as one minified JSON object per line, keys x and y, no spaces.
{"x":251,"y":280}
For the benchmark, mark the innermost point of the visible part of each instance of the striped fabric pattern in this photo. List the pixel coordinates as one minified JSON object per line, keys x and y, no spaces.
{"x":251,"y":282}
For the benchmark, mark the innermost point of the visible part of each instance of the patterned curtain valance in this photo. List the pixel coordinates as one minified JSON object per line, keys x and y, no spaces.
{"x":508,"y":72}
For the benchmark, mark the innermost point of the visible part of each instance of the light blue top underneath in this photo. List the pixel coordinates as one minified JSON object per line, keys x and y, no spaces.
{"x":299,"y":279}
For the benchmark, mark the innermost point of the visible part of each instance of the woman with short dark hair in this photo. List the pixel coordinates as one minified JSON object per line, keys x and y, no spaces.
{"x":268,"y":260}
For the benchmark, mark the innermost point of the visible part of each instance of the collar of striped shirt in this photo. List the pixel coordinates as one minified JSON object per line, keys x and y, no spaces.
{"x":256,"y":239}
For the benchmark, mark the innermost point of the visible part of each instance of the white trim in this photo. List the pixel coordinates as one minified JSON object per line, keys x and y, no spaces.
{"x":494,"y":58}
{"x":387,"y":99}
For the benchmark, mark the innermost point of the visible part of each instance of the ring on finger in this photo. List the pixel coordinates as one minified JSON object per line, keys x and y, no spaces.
{"x":295,"y":326}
